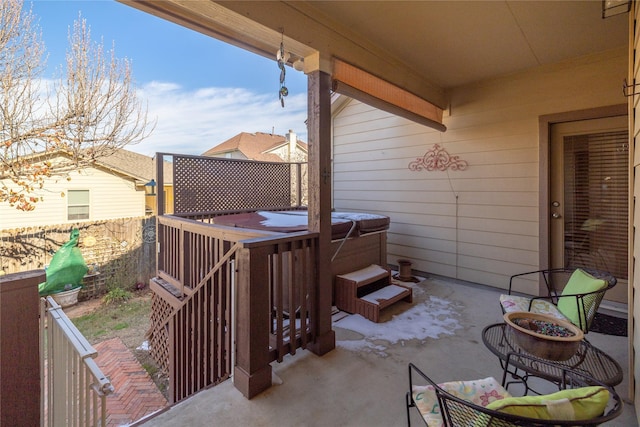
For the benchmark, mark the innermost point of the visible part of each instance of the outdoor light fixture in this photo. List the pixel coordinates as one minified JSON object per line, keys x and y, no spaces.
{"x":298,"y":64}
{"x":615,"y":7}
{"x":150,"y":188}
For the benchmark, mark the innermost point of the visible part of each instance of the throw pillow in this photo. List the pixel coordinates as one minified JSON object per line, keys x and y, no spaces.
{"x":572,"y":404}
{"x":580,"y":282}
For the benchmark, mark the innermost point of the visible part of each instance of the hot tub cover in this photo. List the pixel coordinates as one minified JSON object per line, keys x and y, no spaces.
{"x":342,"y":223}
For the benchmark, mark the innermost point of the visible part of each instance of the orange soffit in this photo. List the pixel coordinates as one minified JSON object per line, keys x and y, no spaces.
{"x":358,"y":84}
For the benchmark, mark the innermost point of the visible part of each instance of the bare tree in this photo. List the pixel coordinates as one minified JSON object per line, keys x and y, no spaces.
{"x":90,"y":110}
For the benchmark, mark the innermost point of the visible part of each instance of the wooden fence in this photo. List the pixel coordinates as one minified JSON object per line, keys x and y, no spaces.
{"x":205,"y":184}
{"x":121,"y":250}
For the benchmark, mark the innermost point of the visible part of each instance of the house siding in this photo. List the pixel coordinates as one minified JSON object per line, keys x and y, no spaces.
{"x":111,"y":196}
{"x":480,"y":224}
{"x":284,"y":153}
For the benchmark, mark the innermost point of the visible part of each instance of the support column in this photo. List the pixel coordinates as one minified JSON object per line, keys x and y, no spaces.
{"x":252,"y":372}
{"x":19,"y":348}
{"x":319,"y":136}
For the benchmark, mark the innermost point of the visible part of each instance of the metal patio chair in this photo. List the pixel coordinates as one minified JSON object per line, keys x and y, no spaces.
{"x":451,"y":406}
{"x":568,"y":297}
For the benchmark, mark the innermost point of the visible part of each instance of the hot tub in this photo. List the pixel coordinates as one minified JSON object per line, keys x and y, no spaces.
{"x":358,"y":239}
{"x":343,"y":224}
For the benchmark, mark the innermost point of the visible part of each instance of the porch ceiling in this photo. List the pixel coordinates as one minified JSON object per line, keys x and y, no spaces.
{"x":425,"y":47}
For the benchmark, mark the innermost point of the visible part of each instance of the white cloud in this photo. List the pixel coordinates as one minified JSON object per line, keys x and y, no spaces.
{"x":192,"y":121}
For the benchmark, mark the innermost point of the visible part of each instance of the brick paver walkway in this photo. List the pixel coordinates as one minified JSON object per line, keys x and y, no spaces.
{"x":136,"y":395}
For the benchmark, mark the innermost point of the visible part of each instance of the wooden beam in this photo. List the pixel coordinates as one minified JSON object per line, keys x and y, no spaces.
{"x":219,"y":22}
{"x":319,"y":134}
{"x":258,"y":26}
{"x":372,"y":90}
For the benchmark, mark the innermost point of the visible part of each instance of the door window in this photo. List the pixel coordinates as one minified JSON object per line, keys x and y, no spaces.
{"x":596,"y":201}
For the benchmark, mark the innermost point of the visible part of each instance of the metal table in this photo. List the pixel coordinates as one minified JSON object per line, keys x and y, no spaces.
{"x":588,"y":360}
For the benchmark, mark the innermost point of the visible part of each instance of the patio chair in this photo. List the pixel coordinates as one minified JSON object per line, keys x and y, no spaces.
{"x":577,"y":301}
{"x":582,"y":401}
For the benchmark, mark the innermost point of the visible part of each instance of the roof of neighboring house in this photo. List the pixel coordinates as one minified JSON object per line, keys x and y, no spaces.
{"x":254,"y":146}
{"x":136,"y":165}
{"x":125,"y":162}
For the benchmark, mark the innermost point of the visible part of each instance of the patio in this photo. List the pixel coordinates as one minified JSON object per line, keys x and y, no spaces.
{"x":363,"y":381}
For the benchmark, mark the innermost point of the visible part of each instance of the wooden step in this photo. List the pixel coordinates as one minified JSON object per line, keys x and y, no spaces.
{"x":368,"y":291}
{"x":371,"y":304}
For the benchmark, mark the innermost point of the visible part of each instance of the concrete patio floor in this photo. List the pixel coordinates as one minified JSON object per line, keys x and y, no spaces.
{"x":364,"y":380}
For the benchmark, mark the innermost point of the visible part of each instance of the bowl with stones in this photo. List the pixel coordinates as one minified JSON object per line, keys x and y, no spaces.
{"x":544,"y":336}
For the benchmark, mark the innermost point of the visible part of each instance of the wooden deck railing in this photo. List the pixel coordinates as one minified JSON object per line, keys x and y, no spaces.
{"x":201,"y":270}
{"x":74,"y":389}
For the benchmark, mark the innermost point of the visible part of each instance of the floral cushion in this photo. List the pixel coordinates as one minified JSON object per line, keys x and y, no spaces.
{"x":481,"y":392}
{"x":515,"y":303}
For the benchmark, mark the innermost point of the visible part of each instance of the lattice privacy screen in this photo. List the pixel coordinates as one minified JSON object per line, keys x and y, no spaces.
{"x":159,"y":334}
{"x":205,"y":184}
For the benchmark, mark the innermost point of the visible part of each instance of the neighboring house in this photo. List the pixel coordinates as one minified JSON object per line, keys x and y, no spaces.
{"x":263,"y":147}
{"x":113,"y":188}
{"x":268,"y":147}
{"x":141,"y":166}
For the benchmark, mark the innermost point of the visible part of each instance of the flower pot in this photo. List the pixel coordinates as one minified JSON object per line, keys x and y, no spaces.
{"x":67,"y":298}
{"x":405,"y":270}
{"x":539,"y":344}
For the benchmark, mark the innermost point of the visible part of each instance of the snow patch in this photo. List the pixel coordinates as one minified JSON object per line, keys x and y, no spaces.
{"x":433,"y":318}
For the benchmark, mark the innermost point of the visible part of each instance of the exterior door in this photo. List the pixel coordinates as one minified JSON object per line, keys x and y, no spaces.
{"x":589,"y":197}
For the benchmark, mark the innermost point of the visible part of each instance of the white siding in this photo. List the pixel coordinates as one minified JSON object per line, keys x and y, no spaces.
{"x":112,"y":196}
{"x":480,"y":224}
{"x":296,"y":156}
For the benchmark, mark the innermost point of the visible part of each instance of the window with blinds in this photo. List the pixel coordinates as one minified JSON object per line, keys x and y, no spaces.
{"x":78,"y":204}
{"x":596,"y":201}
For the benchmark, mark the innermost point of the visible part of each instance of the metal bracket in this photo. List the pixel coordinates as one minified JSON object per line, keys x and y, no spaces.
{"x":630,"y":89}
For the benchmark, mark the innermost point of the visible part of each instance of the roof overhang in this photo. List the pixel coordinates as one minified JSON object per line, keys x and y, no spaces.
{"x":260,"y":26}
{"x":423,"y":48}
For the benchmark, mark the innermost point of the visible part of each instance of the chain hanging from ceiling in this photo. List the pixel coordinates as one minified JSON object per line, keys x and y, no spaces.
{"x":282,"y":58}
{"x":438,"y":159}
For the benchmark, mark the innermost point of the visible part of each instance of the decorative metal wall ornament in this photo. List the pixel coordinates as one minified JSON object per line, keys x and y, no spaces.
{"x":149,"y":233}
{"x":438,"y":159}
{"x":282,"y":58}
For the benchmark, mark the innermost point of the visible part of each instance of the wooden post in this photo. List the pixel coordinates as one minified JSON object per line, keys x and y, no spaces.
{"x":19,"y":348}
{"x":159,"y":207}
{"x":319,"y":134}
{"x":160,"y":184}
{"x":252,"y":373}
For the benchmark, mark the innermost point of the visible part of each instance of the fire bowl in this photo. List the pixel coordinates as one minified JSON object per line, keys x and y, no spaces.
{"x":544,"y":336}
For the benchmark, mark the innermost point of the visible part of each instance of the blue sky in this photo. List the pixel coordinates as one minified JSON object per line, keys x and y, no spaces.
{"x":200,"y":91}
